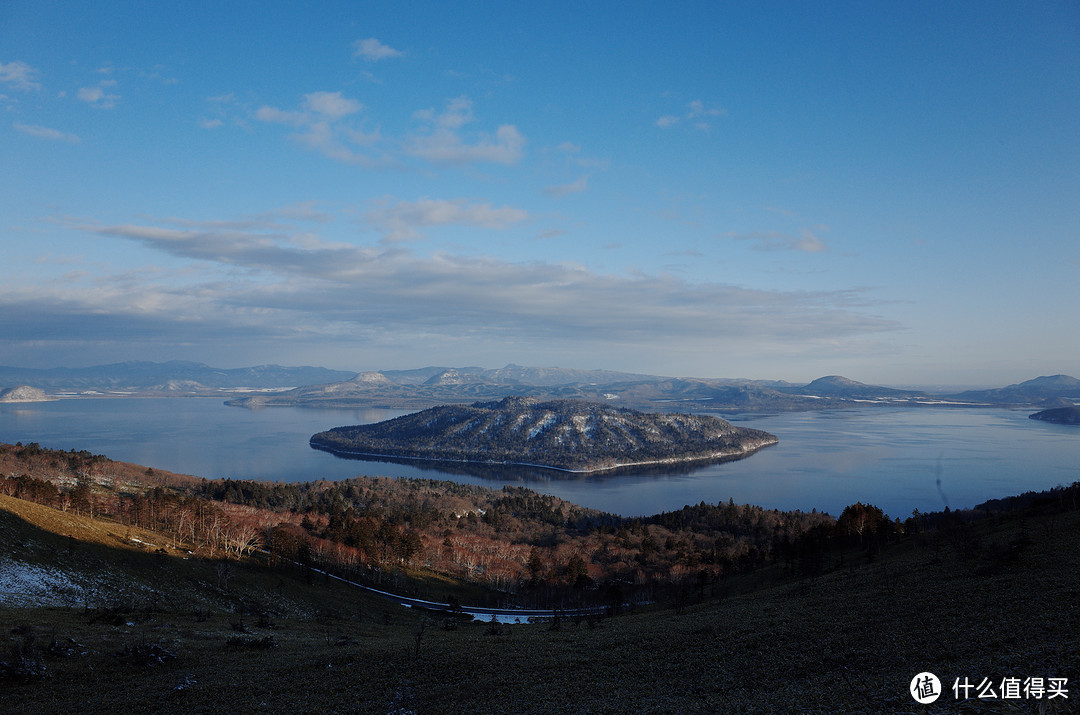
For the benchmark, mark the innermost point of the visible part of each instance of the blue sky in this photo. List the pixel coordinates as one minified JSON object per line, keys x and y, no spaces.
{"x":888,"y":191}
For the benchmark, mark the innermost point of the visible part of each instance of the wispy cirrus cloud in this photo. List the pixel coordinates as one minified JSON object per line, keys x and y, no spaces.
{"x":573,"y":155}
{"x":574,"y":187}
{"x":441,"y":142}
{"x":46,"y":133}
{"x":405,"y":220}
{"x":806,"y":241}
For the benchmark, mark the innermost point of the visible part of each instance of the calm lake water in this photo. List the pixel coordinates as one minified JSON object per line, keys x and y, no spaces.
{"x":898,"y":459}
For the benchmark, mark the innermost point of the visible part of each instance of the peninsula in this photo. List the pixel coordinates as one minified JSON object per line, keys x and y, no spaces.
{"x":568,"y":435}
{"x":1059,"y":415}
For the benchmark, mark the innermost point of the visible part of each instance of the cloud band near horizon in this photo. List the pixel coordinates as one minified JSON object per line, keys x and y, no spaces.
{"x":266,"y":281}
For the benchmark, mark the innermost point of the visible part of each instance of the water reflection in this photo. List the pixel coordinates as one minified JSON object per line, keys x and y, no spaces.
{"x":524,"y":473}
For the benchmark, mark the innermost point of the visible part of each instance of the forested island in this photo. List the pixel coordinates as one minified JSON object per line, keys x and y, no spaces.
{"x":569,"y":435}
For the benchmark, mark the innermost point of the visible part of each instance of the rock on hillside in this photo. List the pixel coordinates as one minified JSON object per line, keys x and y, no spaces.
{"x":24,"y":393}
{"x":570,"y":435}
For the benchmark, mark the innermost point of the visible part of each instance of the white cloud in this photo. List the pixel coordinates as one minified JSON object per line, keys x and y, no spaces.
{"x":19,"y":75}
{"x":446,"y":147}
{"x":403,"y":220}
{"x":698,"y":109}
{"x":443,"y":144}
{"x":809,"y":243}
{"x":323,"y":127}
{"x":326,"y":123}
{"x":697,"y":113}
{"x":457,"y":114}
{"x":97,"y":96}
{"x":332,"y":104}
{"x":574,"y":187}
{"x":47,"y":133}
{"x":280,"y":116}
{"x":372,"y":50}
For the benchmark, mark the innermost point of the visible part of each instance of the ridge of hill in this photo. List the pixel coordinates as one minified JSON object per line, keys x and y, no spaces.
{"x":569,"y":435}
{"x":1048,"y":389}
{"x":837,"y":386}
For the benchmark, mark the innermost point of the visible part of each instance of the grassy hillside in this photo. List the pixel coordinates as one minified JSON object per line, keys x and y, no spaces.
{"x":149,"y":630}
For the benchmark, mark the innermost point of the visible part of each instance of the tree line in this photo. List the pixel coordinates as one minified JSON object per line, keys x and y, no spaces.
{"x":526,"y":547}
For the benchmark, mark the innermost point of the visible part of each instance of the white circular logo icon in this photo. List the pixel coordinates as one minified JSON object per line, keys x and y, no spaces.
{"x":925,"y":688}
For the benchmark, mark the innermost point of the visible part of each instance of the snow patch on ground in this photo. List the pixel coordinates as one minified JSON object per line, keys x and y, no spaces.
{"x":583,"y":425}
{"x":546,"y":421}
{"x":28,"y":585}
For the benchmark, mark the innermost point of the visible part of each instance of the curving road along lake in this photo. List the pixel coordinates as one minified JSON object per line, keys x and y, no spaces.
{"x":898,"y":459}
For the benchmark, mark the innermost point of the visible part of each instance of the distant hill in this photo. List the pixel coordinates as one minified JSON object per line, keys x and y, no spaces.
{"x":1047,"y":389}
{"x":562,"y":434}
{"x":842,"y":387}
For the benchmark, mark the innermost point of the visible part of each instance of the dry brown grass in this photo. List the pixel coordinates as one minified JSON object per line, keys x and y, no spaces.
{"x":85,"y":530}
{"x":848,"y":641}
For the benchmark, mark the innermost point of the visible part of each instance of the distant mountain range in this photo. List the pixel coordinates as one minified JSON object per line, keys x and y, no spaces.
{"x":176,"y":376}
{"x":569,"y":435}
{"x":416,"y":389}
{"x":269,"y":385}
